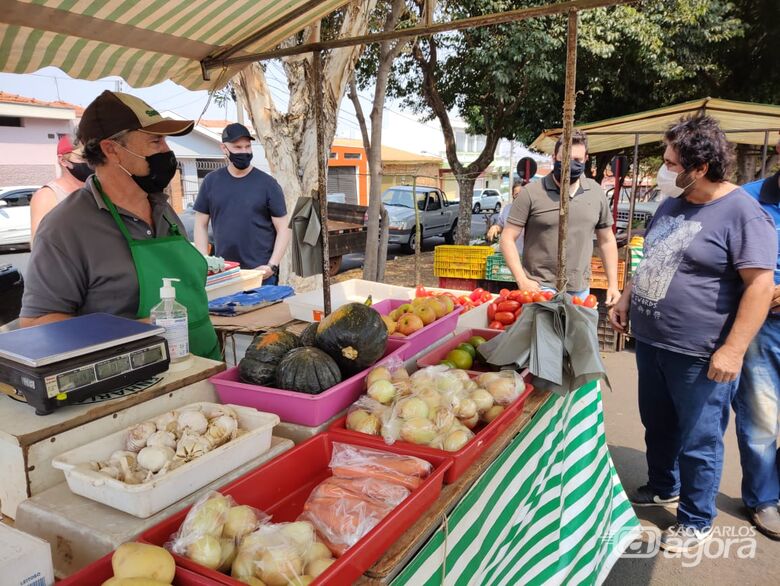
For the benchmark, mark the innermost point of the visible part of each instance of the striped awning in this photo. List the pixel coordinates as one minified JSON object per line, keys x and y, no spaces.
{"x":617,"y":133}
{"x":145,"y":41}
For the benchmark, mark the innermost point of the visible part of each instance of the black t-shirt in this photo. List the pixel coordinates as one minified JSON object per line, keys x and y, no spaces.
{"x":240,"y":210}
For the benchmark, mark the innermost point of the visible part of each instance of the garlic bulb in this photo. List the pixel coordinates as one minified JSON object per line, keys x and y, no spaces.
{"x":138,"y":434}
{"x":93,"y":465}
{"x":215,"y":410}
{"x":154,"y":458}
{"x":116,"y":458}
{"x":192,"y":421}
{"x":162,"y":438}
{"x":167,"y":421}
{"x":111,"y":470}
{"x":192,"y":446}
{"x":221,"y":430}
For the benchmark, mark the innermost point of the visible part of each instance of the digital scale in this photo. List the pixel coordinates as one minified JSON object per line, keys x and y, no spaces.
{"x":65,"y":362}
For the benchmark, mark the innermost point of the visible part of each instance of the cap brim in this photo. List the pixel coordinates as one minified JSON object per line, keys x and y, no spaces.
{"x":170,"y":127}
{"x":235,"y":138}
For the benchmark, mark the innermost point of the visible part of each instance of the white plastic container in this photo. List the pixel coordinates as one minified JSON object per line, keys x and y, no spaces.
{"x":24,"y":560}
{"x":144,"y":500}
{"x":306,"y":305}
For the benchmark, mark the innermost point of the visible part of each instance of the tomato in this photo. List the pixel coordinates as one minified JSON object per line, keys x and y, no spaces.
{"x":576,"y":301}
{"x":478,"y":303}
{"x":525,"y":297}
{"x":476,"y":293}
{"x":464,"y":300}
{"x":505,"y":317}
{"x":590,"y":301}
{"x":548,"y":295}
{"x":518,"y":313}
{"x":487,"y":296}
{"x":496,"y":325}
{"x":515,"y":295}
{"x":538,"y":297}
{"x":491,"y":311}
{"x":420,"y":291}
{"x":504,"y":293}
{"x":512,"y":306}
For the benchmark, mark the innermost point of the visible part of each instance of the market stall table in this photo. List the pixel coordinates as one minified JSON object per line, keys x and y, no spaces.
{"x":28,"y":442}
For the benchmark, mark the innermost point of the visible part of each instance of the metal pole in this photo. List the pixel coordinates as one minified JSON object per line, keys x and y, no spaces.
{"x":764,"y":153}
{"x":322,"y":186}
{"x":632,"y":203}
{"x":569,"y":103}
{"x":511,"y":168}
{"x":417,"y":239}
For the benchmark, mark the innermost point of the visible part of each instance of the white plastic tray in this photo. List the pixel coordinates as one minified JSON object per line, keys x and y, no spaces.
{"x":304,"y":306}
{"x":144,"y":500}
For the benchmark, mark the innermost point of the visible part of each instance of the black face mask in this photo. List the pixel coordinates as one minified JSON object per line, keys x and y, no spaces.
{"x":162,"y":168}
{"x":240,"y":160}
{"x":576,"y":169}
{"x":80,"y":171}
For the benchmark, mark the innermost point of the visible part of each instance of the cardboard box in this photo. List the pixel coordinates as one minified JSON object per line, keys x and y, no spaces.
{"x":24,"y":560}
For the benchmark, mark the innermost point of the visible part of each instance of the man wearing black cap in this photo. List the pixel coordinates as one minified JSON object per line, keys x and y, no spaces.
{"x":107,"y":246}
{"x":246,"y":208}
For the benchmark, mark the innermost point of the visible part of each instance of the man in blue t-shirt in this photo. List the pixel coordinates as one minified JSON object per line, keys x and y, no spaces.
{"x":246,"y":209}
{"x":757,"y":404}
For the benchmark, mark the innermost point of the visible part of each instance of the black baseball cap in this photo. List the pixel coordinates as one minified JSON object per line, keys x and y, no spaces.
{"x":235,"y":131}
{"x":112,"y":112}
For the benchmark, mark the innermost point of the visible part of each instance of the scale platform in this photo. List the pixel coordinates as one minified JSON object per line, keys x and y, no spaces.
{"x":65,"y":362}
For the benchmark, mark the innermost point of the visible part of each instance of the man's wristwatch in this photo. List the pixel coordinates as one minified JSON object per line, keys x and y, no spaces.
{"x":274,"y":269}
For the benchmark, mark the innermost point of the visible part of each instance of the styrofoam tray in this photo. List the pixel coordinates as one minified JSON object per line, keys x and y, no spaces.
{"x":144,"y":500}
{"x":306,"y":305}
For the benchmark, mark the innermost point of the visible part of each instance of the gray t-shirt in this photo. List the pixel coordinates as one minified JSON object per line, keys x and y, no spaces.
{"x":536,"y":209}
{"x":687,"y":288}
{"x":81,"y":263}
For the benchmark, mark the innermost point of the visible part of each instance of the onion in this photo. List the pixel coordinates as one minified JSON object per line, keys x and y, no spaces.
{"x":418,"y":430}
{"x":317,"y":551}
{"x":442,"y":417}
{"x":244,"y":565}
{"x":482,"y":399}
{"x":377,"y":374}
{"x":412,"y":407}
{"x":240,"y":521}
{"x":279,"y":565}
{"x":431,"y":397}
{"x":484,"y":379}
{"x":382,"y":391}
{"x":317,"y":567}
{"x":456,"y":440}
{"x":504,"y":390}
{"x":492,"y":413}
{"x":228,"y":554}
{"x":399,"y":375}
{"x":460,"y":374}
{"x":471,"y":422}
{"x":467,"y":409}
{"x":301,"y":532}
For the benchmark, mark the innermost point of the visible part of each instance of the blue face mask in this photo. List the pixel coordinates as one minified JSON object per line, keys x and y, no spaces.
{"x":576,"y":169}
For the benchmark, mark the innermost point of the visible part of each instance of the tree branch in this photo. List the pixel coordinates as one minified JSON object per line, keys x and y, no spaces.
{"x":353,"y":96}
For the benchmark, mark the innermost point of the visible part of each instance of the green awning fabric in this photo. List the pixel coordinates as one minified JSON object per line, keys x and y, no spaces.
{"x":615,"y":133}
{"x":144,"y":41}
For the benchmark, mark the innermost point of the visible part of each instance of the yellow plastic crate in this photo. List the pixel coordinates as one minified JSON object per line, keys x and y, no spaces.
{"x":463,"y":262}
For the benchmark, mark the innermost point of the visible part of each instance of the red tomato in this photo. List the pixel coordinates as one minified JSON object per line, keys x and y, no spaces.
{"x":590,"y":301}
{"x":496,"y":325}
{"x":504,"y":293}
{"x":515,"y":296}
{"x":505,"y":317}
{"x":548,"y":295}
{"x":491,"y":311}
{"x":576,"y":301}
{"x":518,"y":312}
{"x":538,"y":297}
{"x":477,"y":303}
{"x":525,"y":297}
{"x":476,"y":293}
{"x":464,"y":300}
{"x":487,"y":296}
{"x":512,"y":306}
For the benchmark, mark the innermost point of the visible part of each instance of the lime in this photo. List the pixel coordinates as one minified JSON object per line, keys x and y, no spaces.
{"x":468,"y":348}
{"x":449,"y":363}
{"x":476,"y":341}
{"x":460,"y":358}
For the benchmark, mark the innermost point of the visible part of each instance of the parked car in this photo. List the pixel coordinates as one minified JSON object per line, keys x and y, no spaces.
{"x":438,"y":216}
{"x":487,"y":199}
{"x":15,"y":217}
{"x":644,"y":209}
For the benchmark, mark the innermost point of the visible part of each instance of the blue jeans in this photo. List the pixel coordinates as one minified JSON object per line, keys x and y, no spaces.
{"x":757,"y":408}
{"x":685,"y":415}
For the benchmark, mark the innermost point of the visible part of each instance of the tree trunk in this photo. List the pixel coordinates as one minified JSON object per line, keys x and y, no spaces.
{"x":466,"y":189}
{"x":748,"y":165}
{"x":290,"y":138}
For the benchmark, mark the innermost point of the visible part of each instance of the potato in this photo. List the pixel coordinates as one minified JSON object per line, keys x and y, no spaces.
{"x":134,"y":582}
{"x":140,"y":560}
{"x":317,"y":567}
{"x":317,"y":551}
{"x":279,"y":566}
{"x":252,"y":581}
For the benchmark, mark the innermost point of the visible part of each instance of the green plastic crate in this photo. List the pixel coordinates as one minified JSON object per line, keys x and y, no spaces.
{"x":496,"y":269}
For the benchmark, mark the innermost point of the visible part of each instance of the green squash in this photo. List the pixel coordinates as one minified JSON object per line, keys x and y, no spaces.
{"x":258,"y":366}
{"x":354,"y":336}
{"x":307,"y":370}
{"x":308,"y":334}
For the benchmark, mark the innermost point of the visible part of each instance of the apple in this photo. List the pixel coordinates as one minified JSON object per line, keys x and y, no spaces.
{"x":405,"y":308}
{"x":419,"y":302}
{"x":389,"y":323}
{"x":409,"y":323}
{"x":439,"y":308}
{"x":426,"y":314}
{"x":394,"y":315}
{"x":448,"y":302}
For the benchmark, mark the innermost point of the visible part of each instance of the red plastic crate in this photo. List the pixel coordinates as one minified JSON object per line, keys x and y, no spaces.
{"x":281,"y":487}
{"x":465,"y":285}
{"x":440,"y":353}
{"x":301,"y":408}
{"x":426,"y":336}
{"x":485,"y":435}
{"x":100,"y":570}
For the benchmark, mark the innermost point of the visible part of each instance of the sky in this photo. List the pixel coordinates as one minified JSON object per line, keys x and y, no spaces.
{"x":401,"y":129}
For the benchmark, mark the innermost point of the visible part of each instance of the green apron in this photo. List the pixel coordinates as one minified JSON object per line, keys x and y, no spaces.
{"x":172,"y":256}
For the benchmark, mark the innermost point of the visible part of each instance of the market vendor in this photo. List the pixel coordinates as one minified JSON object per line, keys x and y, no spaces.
{"x":108,"y":246}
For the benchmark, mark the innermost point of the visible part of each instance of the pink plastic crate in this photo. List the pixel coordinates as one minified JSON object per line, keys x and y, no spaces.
{"x":438,"y":354}
{"x":294,"y":407}
{"x":425,"y":337}
{"x":100,"y":570}
{"x":281,"y":487}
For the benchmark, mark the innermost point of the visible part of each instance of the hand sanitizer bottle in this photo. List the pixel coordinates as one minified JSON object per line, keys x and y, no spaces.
{"x":172,"y":316}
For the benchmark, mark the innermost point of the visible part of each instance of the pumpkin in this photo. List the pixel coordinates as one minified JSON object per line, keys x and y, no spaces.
{"x":307,"y":370}
{"x":354,"y":336}
{"x":308,"y":334}
{"x":258,"y":366}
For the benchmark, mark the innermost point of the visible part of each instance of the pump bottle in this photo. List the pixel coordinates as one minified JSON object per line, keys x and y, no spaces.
{"x":172,"y":315}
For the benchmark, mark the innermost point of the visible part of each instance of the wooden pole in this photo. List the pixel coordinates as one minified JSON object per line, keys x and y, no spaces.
{"x":417,"y":239}
{"x":631,"y":207}
{"x":322,"y":186}
{"x":569,"y":102}
{"x":764,"y":152}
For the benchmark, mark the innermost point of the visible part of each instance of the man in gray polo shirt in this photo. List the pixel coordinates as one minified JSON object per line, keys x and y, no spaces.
{"x":535,"y":211}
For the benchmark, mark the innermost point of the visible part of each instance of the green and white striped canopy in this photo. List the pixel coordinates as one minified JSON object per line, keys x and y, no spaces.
{"x":144,"y":41}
